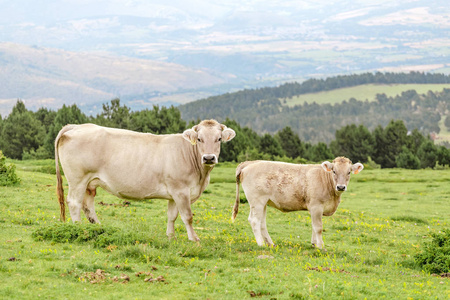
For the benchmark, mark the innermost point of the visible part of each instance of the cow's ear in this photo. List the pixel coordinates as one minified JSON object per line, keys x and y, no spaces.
{"x":358,"y":167}
{"x":190,"y":135}
{"x":327,"y":166}
{"x":227,"y":134}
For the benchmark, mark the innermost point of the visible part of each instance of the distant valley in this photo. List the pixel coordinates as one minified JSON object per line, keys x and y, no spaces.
{"x":155,"y":52}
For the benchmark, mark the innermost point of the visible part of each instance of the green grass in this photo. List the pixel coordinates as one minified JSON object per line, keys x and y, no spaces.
{"x":381,"y":224}
{"x":362,"y":92}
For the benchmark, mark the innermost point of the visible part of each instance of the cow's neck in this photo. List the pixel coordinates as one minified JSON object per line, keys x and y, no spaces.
{"x":202,"y":170}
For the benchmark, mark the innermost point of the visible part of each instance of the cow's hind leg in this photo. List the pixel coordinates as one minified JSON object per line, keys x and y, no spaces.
{"x":172,"y":214}
{"x":264,"y":231}
{"x":255,"y":219}
{"x":75,"y":198}
{"x":88,"y":205}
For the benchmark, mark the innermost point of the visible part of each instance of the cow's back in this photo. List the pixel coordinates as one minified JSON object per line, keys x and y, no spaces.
{"x":285,"y":184}
{"x":126,"y":163}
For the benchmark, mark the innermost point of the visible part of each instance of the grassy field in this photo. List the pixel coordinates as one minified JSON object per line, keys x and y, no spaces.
{"x":362,"y":92}
{"x":383,"y":221}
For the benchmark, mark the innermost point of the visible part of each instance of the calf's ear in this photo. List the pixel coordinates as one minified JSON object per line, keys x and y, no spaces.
{"x":227,"y":134}
{"x":327,"y":166}
{"x":190,"y":135}
{"x":358,"y":167}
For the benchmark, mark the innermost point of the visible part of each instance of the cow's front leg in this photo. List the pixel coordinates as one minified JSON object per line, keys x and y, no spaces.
{"x":316,"y":220}
{"x":183,"y":204}
{"x":172,"y":214}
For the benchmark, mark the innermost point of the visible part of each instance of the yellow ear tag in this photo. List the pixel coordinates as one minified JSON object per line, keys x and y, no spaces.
{"x":193,"y":142}
{"x":356,"y":172}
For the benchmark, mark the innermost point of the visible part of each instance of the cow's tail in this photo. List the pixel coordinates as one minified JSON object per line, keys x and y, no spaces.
{"x":238,"y":181}
{"x":59,"y":185}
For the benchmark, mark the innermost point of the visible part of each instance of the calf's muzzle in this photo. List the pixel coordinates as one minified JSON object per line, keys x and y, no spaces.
{"x":341,"y":188}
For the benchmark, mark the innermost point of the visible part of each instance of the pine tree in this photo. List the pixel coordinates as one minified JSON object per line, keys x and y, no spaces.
{"x":290,"y":142}
{"x":356,"y":143}
{"x":268,"y":144}
{"x":65,"y":115}
{"x":21,"y":132}
{"x":389,"y":142}
{"x":407,"y":160}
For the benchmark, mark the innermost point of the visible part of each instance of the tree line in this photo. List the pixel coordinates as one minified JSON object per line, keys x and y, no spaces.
{"x":262,"y":110}
{"x":25,"y":134}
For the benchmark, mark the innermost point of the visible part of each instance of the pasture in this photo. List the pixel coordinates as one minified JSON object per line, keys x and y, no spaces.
{"x":361,"y":93}
{"x":384,"y":219}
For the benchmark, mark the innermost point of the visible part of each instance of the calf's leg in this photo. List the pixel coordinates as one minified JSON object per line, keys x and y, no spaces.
{"x":316,"y":220}
{"x":255,"y":219}
{"x":172,"y":214}
{"x":264,"y":231}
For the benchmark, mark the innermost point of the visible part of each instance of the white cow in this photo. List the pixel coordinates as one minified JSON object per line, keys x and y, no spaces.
{"x":134,"y":165}
{"x":292,"y":187}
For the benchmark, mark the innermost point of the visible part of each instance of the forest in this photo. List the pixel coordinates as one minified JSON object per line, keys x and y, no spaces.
{"x":263,"y":110}
{"x":25,"y":134}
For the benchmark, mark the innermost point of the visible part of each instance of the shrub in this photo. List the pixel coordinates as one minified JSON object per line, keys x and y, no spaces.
{"x":371,"y":165}
{"x":407,"y":160}
{"x":40,"y":153}
{"x":435,"y":258}
{"x":8,"y":174}
{"x":427,"y":154}
{"x":101,"y":236}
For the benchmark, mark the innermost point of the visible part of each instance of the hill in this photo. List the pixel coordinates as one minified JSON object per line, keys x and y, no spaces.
{"x":52,"y":77}
{"x":264,"y":111}
{"x":179,"y":51}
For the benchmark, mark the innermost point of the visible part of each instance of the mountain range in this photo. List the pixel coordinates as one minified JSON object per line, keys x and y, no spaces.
{"x":146,"y":52}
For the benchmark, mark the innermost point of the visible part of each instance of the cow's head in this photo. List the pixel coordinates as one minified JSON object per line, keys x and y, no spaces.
{"x":207,"y":136}
{"x":342,"y":168}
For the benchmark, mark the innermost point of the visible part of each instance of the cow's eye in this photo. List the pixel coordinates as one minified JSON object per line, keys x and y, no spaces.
{"x":199,"y":140}
{"x":220,"y":139}
{"x":349,"y":173}
{"x":334,"y":172}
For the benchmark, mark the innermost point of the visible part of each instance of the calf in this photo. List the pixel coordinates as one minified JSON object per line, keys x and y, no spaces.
{"x":292,"y":187}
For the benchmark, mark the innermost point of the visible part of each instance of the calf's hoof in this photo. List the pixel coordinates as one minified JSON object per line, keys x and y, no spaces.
{"x":318,"y":247}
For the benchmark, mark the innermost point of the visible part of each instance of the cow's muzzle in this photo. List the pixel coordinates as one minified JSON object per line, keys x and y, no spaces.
{"x":209,"y":159}
{"x":341,"y":188}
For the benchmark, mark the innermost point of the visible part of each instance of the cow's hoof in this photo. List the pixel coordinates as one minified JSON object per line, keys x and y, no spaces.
{"x":171,"y":237}
{"x":195,"y":239}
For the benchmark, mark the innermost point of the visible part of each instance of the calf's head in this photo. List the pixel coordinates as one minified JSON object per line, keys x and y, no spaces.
{"x":341,"y":169}
{"x":207,"y":136}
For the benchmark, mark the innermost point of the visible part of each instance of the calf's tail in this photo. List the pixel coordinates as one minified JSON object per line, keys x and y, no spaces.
{"x":59,"y":185}
{"x":236,"y":204}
